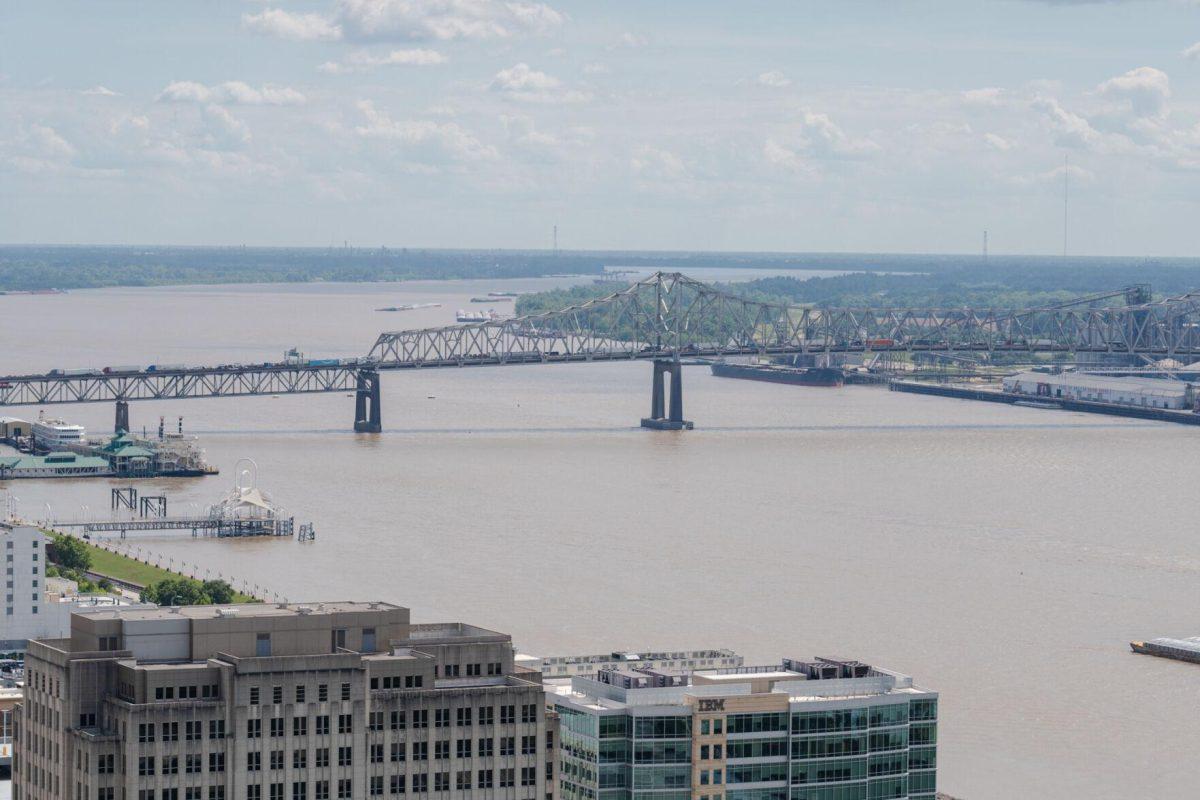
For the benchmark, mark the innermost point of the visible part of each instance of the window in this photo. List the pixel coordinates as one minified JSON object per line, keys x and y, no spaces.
{"x":441,"y":749}
{"x":345,"y":789}
{"x":473,"y":670}
{"x":262,"y":645}
{"x":170,"y":765}
{"x":337,"y":639}
{"x":87,"y":720}
{"x":253,"y":695}
{"x":413,"y":682}
{"x":254,"y":791}
{"x":529,"y":713}
{"x":323,"y":725}
{"x":441,"y":717}
{"x":375,"y":721}
{"x":376,"y":754}
{"x":277,"y":726}
{"x":345,"y":756}
{"x":345,"y":691}
{"x":487,"y":716}
{"x":528,"y":776}
{"x":398,"y":751}
{"x":216,"y":793}
{"x":105,"y":763}
{"x":276,"y":694}
{"x":216,"y":762}
{"x":322,"y":692}
{"x":368,"y":646}
{"x":485,"y":748}
{"x":528,"y":745}
{"x":216,"y":729}
{"x":300,"y":759}
{"x":345,"y":723}
{"x":463,"y":716}
{"x":451,"y":671}
{"x":145,"y":731}
{"x":276,"y":791}
{"x":276,"y":759}
{"x":145,"y":765}
{"x":253,"y":728}
{"x":462,"y":779}
{"x":483,"y":779}
{"x":420,"y":751}
{"x":396,"y":784}
{"x":253,"y":761}
{"x":441,"y":782}
{"x":299,"y":790}
{"x":105,"y":793}
{"x":321,"y":790}
{"x":506,"y":777}
{"x":420,"y":718}
{"x":170,"y":731}
{"x":300,"y":726}
{"x":191,"y":764}
{"x":397,"y":721}
{"x":495,"y":668}
{"x":164,"y":692}
{"x":508,"y":715}
{"x":192,"y":730}
{"x":322,"y":757}
{"x":462,"y":748}
{"x":300,"y":694}
{"x":420,"y":783}
{"x":507,"y":745}
{"x":376,"y":784}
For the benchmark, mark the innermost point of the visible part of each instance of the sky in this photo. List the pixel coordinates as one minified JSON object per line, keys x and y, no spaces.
{"x":757,"y":125}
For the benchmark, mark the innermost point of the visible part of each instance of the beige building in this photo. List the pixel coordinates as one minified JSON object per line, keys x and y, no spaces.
{"x":287,"y":702}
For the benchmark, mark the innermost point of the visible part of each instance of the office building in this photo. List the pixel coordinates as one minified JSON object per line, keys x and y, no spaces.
{"x":683,"y":660}
{"x":277,"y":702}
{"x":825,"y":729}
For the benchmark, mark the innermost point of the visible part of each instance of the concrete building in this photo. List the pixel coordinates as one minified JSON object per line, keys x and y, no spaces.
{"x":37,"y":607}
{"x":686,"y":660}
{"x":277,"y":702}
{"x":825,"y":729}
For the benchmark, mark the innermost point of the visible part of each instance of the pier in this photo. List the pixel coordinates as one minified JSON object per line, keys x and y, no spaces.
{"x":199,"y":526}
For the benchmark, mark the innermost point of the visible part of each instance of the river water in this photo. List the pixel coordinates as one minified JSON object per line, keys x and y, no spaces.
{"x":1003,"y":556}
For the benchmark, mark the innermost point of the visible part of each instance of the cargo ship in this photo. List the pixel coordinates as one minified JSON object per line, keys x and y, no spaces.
{"x":799,"y":376}
{"x":1178,"y":649}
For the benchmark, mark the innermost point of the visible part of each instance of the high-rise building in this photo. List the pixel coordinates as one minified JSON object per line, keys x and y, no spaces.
{"x":277,"y":702}
{"x":826,"y":729}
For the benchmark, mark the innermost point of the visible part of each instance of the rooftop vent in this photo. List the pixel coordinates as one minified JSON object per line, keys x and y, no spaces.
{"x":227,"y":612}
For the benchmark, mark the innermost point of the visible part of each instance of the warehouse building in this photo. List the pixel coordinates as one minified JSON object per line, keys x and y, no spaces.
{"x":1141,"y":392}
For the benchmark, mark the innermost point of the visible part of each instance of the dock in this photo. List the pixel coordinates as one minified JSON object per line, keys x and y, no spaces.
{"x":1165,"y":647}
{"x":221,"y":527}
{"x":1012,"y":398}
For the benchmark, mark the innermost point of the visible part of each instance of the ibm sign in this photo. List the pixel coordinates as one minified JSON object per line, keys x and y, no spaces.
{"x":712,"y":704}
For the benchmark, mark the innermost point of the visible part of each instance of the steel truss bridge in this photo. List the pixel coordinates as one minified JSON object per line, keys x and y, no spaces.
{"x":662,"y":319}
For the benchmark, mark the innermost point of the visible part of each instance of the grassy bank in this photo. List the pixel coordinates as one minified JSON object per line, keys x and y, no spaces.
{"x":130,"y":570}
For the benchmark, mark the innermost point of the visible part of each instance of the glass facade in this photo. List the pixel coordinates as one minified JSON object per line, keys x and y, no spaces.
{"x":878,"y":752}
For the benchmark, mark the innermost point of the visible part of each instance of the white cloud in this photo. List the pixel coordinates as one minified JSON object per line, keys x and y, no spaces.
{"x":396,"y":20}
{"x":774,"y":79}
{"x":522,"y":82}
{"x":361,"y":61}
{"x":1146,"y":89}
{"x":596,"y":68}
{"x":293,"y":26}
{"x":628,"y":39}
{"x":230,"y":93}
{"x":658,"y":165}
{"x":998,"y":142}
{"x":989,"y":96}
{"x":1193,"y":51}
{"x":1072,"y":130}
{"x":423,"y":140}
{"x":100,"y":91}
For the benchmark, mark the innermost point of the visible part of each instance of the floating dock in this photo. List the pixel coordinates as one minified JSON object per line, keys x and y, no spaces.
{"x":1012,"y":398}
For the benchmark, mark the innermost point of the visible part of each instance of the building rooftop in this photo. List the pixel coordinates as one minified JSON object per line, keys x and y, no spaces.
{"x":1160,"y":386}
{"x":242,"y":611}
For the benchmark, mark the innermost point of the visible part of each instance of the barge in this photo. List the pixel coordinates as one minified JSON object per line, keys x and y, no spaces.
{"x":1166,"y":647}
{"x":772,"y":373}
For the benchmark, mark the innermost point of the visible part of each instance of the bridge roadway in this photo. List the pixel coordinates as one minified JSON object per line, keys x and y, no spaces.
{"x":661,"y":319}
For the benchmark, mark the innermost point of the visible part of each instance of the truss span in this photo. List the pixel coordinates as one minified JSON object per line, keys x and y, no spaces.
{"x":669,"y":315}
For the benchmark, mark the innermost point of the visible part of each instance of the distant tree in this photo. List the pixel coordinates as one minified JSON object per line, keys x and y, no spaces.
{"x":71,"y":554}
{"x":218,"y":592}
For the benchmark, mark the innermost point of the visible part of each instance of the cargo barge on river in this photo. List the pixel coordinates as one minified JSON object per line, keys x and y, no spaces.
{"x":1165,"y":647}
{"x":774,"y":373}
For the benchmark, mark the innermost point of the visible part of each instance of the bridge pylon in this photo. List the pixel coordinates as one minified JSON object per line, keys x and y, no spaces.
{"x":122,"y":422}
{"x":672,"y":419}
{"x":367,"y":416}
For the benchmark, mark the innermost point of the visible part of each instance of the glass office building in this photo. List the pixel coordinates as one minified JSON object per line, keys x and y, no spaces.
{"x":825,"y":729}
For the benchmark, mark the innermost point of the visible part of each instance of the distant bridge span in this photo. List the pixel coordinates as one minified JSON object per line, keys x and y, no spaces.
{"x":661,"y":319}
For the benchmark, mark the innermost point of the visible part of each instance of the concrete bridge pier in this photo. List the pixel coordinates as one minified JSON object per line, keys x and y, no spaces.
{"x":367,"y":417}
{"x":122,"y":423}
{"x":658,"y":420}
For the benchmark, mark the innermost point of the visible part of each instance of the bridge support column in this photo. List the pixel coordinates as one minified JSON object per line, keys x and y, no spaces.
{"x":658,"y":420}
{"x":122,"y":423}
{"x":367,"y":415}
